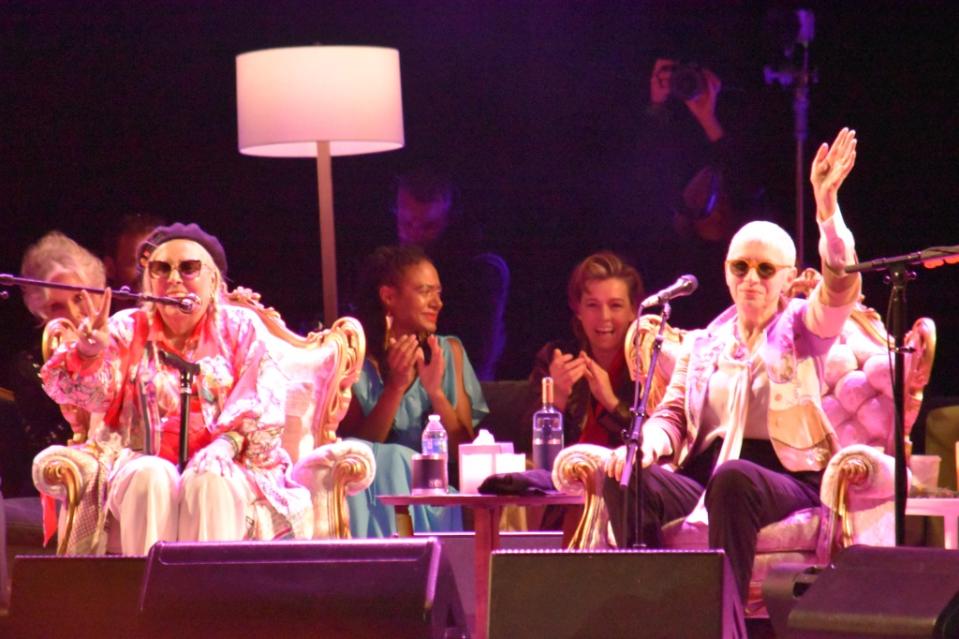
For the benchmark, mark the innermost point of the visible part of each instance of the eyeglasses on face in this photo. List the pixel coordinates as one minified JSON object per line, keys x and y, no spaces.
{"x":188,"y":269}
{"x":765,"y":270}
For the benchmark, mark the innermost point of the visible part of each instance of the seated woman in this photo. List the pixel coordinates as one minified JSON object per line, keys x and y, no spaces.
{"x":408,"y":374}
{"x":741,"y":417}
{"x":235,"y":486}
{"x":591,"y":381}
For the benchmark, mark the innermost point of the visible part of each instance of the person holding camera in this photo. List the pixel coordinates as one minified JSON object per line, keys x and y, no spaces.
{"x":698,"y":88}
{"x":681,"y":191}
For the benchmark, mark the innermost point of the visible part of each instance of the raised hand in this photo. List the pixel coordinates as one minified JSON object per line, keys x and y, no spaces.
{"x":829,"y":169}
{"x":659,"y":80}
{"x":92,"y":334}
{"x":703,"y":106}
{"x":431,"y":375}
{"x":401,"y":357}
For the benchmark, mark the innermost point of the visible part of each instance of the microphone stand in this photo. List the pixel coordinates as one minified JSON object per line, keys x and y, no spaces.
{"x":188,"y":370}
{"x":634,"y":437}
{"x":185,"y":304}
{"x":898,"y":275}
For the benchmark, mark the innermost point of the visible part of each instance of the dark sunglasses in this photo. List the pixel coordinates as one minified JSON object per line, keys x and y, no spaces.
{"x":188,"y":269}
{"x":765,"y":270}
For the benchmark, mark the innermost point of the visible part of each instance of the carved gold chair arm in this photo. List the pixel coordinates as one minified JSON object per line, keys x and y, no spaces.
{"x":580,"y":470}
{"x":331,"y":473}
{"x":853,"y":471}
{"x":857,"y":488}
{"x":59,"y":472}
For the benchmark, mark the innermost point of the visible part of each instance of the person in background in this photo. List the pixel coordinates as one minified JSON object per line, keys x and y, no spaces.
{"x":120,"y":253}
{"x":592,"y":387}
{"x":683,"y":185}
{"x":409,"y":373}
{"x":477,"y":281}
{"x":741,"y":418}
{"x":56,"y":258}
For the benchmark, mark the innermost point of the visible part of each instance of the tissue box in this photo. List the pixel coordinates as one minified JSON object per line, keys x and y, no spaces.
{"x":479,"y":461}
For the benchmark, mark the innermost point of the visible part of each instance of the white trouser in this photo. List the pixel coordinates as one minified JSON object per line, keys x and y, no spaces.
{"x":152,"y":503}
{"x":143,"y":497}
{"x":213,"y":507}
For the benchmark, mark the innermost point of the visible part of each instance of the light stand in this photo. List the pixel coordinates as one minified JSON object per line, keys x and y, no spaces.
{"x":799,"y":78}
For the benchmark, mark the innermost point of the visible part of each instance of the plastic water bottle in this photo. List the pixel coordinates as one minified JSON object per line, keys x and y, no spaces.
{"x":435,"y":440}
{"x":547,"y":430}
{"x":430,"y":472}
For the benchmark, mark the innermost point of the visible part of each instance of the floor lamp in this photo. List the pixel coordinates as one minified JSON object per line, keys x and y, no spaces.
{"x":319,"y":101}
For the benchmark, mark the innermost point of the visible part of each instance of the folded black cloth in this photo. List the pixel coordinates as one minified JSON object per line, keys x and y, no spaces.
{"x":530,"y":482}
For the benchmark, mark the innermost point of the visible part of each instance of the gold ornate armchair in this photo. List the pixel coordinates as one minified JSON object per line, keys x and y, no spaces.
{"x":320,"y":369}
{"x":857,"y":489}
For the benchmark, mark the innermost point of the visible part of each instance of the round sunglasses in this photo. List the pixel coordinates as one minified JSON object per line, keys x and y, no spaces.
{"x":765,"y":270}
{"x":188,"y":269}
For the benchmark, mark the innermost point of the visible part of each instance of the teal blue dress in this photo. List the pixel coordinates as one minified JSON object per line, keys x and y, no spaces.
{"x":369,"y":517}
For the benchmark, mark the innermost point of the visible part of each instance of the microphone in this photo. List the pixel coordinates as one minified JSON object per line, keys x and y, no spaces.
{"x":188,"y":303}
{"x":682,"y":287}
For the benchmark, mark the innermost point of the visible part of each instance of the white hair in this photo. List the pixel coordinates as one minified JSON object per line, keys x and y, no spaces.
{"x":56,"y":253}
{"x":769,"y":234}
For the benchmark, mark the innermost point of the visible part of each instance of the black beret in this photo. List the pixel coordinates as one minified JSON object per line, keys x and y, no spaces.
{"x":177,"y":231}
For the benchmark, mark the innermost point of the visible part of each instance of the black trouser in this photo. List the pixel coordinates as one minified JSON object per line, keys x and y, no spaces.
{"x":742,"y":496}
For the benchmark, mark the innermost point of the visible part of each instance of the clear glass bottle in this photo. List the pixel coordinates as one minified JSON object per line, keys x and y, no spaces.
{"x":547,"y":430}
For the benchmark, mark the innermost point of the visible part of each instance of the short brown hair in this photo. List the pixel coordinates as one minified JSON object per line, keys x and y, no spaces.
{"x":603,"y":265}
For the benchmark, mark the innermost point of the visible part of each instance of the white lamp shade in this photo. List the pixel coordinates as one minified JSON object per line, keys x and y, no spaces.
{"x":289,"y":99}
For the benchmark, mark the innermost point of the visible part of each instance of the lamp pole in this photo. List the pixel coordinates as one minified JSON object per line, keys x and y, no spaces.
{"x":324,"y":185}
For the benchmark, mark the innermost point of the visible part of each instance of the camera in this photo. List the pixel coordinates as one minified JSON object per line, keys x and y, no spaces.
{"x":686,"y":81}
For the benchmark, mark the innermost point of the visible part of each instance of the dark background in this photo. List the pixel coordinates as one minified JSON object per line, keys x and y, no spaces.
{"x":108,"y":108}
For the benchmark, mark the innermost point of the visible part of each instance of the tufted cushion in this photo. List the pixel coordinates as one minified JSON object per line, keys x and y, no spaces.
{"x":796,"y":533}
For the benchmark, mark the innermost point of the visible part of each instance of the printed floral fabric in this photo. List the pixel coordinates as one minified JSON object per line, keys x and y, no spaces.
{"x":239,"y":388}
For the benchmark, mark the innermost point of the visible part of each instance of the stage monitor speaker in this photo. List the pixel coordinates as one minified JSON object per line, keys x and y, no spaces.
{"x":877,"y":592}
{"x":343,"y":588}
{"x":654,"y":594}
{"x":82,"y":597}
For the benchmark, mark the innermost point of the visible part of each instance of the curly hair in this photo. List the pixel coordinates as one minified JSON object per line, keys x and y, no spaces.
{"x":603,"y":265}
{"x":386,"y":266}
{"x":52,"y":254}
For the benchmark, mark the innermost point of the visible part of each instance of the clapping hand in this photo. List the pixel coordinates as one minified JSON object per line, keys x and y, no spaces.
{"x":431,"y":375}
{"x":599,"y":384}
{"x":565,"y":370}
{"x":401,"y":355}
